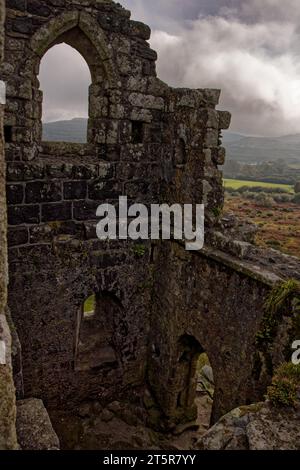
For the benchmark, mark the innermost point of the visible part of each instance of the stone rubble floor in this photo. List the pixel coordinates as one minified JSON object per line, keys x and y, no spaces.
{"x":117,"y":428}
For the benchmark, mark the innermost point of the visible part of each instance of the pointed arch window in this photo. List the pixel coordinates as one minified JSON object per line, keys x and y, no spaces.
{"x":65,"y":79}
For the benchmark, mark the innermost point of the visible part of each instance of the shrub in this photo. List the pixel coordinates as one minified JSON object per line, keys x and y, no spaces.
{"x":262,"y":189}
{"x":296,"y":199}
{"x":252,"y":195}
{"x":264,"y":200}
{"x":247,"y":195}
{"x":280,"y":295}
{"x":278,"y":191}
{"x":282,"y":392}
{"x":297,"y":187}
{"x":217,"y":211}
{"x":230,"y":190}
{"x":274,"y":244}
{"x":285,"y":385}
{"x":243,"y":189}
{"x":283,"y":197}
{"x":279,"y":299}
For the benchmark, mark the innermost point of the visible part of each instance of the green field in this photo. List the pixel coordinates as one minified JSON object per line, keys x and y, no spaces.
{"x":236,"y":184}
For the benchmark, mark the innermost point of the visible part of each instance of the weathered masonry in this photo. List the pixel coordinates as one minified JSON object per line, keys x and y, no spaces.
{"x":157,"y":306}
{"x":7,"y":391}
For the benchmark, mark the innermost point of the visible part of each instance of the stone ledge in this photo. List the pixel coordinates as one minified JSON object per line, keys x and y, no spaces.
{"x":248,"y":268}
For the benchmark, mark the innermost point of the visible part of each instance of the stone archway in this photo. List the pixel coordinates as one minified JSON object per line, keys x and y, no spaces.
{"x":65,"y":81}
{"x":96,"y":343}
{"x":191,"y":382}
{"x":90,"y":42}
{"x":189,"y":351}
{"x":80,"y":31}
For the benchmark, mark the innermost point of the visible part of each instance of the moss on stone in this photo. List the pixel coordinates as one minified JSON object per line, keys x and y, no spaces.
{"x":55,"y":225}
{"x":253,"y":408}
{"x":280,"y":295}
{"x":139,"y":250}
{"x":217,"y":211}
{"x":280,"y":302}
{"x":8,"y":439}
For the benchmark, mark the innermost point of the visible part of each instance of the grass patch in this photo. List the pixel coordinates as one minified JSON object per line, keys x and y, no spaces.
{"x":280,"y":294}
{"x":236,"y":184}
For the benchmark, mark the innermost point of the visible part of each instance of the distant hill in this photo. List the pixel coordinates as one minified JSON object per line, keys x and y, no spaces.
{"x":246,"y":149}
{"x":230,"y":137}
{"x":240,"y":148}
{"x":74,"y":130}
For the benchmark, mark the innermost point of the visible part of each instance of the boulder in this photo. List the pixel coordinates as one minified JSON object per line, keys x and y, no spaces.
{"x":261,"y":426}
{"x":34,"y":428}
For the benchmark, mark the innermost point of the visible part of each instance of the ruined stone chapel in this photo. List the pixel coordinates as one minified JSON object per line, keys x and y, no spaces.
{"x":157,"y":305}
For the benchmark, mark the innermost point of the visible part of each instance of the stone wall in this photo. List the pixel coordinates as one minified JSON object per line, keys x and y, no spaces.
{"x":7,"y":392}
{"x":142,"y":136}
{"x":215,"y":303}
{"x":157,"y":306}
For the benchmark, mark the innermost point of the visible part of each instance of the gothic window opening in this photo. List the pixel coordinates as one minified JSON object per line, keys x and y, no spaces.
{"x":64,"y":79}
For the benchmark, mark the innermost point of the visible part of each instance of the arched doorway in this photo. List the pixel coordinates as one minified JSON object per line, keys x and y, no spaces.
{"x":195,"y":382}
{"x":96,"y":339}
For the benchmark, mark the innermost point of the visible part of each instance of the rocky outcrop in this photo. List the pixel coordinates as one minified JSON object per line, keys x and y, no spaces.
{"x":256,"y":427}
{"x":35,"y":431}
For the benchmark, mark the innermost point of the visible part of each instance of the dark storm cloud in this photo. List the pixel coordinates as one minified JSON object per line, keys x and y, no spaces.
{"x":169,"y":15}
{"x":248,"y":48}
{"x":251,"y":10}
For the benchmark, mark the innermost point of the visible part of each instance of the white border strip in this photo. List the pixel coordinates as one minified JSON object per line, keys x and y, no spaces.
{"x":2,"y":92}
{"x":2,"y":353}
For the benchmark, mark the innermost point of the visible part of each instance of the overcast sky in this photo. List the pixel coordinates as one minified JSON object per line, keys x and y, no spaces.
{"x":248,"y":48}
